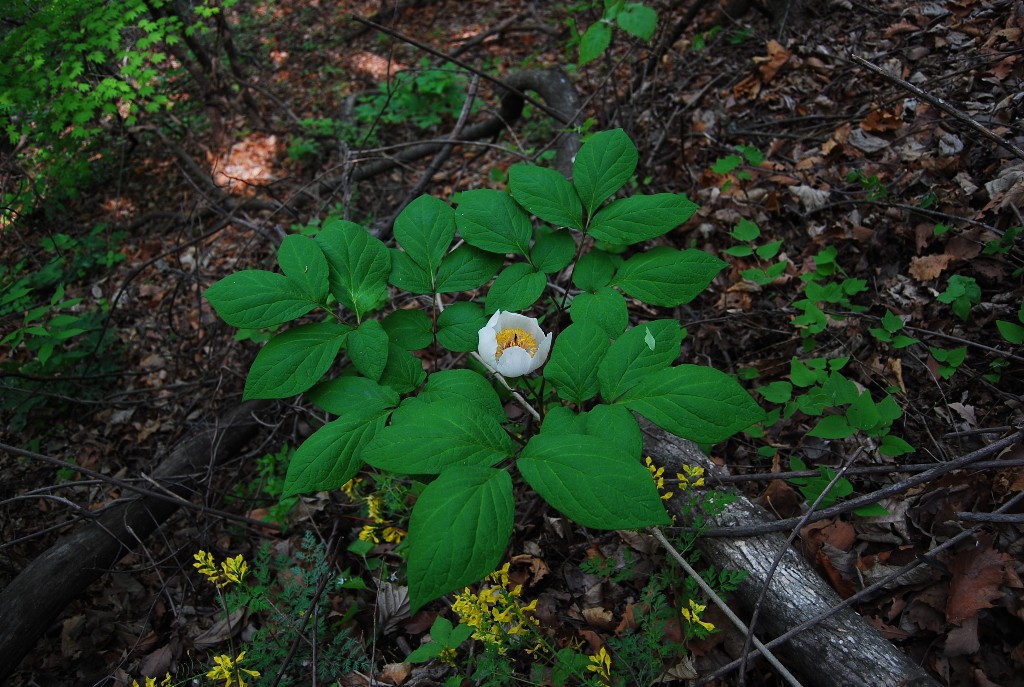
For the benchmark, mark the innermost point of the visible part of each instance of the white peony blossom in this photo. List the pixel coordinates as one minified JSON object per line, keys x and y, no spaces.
{"x":513,"y":345}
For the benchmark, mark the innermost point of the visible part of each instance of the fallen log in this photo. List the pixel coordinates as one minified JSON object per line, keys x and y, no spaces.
{"x":40,"y":592}
{"x":845,"y":650}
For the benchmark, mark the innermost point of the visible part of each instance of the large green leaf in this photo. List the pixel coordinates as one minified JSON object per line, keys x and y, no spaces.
{"x":425,"y":229}
{"x":594,"y":41}
{"x":294,"y":360}
{"x":466,"y":268}
{"x":426,"y":438}
{"x":404,"y":371}
{"x":332,"y":455}
{"x":602,"y":166}
{"x":463,"y":385}
{"x":666,"y":276}
{"x":606,"y":308}
{"x":632,"y":356}
{"x":409,"y":275}
{"x":572,"y":368}
{"x":492,"y":221}
{"x":358,"y":265}
{"x":517,"y":288}
{"x":547,"y":194}
{"x":304,"y":263}
{"x":410,"y":329}
{"x":638,"y":19}
{"x":253,"y":299}
{"x":458,"y":531}
{"x":694,"y":402}
{"x":458,"y":327}
{"x":595,"y":269}
{"x":613,"y":424}
{"x":340,"y":395}
{"x":552,"y":250}
{"x":592,"y":483}
{"x":367,"y":348}
{"x":639,"y":218}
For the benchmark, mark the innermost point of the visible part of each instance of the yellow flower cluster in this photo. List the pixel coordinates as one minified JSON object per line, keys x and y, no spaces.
{"x":689,"y":477}
{"x":692,"y":615}
{"x":227,"y":669}
{"x":601,"y":663}
{"x":231,"y":571}
{"x":495,"y":614}
{"x":151,"y":682}
{"x":380,"y":527}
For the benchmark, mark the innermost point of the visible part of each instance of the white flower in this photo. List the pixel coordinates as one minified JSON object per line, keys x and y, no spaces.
{"x":513,"y":345}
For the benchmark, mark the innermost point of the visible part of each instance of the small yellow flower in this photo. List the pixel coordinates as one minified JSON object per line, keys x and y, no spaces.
{"x":351,"y":487}
{"x":601,"y":663}
{"x":229,"y":670}
{"x":393,"y":535}
{"x":151,"y":682}
{"x":692,"y":615}
{"x":206,"y":566}
{"x":369,"y":533}
{"x":447,"y":655}
{"x":234,"y":570}
{"x":658,"y":475}
{"x":231,"y":571}
{"x":690,"y":477}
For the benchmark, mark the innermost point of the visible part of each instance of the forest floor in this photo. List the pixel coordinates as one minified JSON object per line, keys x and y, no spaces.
{"x":836,"y":195}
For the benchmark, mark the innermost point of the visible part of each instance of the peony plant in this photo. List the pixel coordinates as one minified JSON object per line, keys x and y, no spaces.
{"x":568,"y":253}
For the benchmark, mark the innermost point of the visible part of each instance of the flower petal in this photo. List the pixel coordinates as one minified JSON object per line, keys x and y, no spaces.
{"x":514,"y":362}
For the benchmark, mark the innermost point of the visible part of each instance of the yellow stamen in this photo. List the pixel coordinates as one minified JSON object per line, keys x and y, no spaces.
{"x":515,"y":337}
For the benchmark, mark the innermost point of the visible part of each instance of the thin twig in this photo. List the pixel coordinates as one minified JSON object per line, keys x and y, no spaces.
{"x":962,"y":117}
{"x":717,"y":600}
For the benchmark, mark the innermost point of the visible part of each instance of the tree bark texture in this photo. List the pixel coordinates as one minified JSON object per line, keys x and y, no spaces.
{"x":40,"y":592}
{"x":844,"y":649}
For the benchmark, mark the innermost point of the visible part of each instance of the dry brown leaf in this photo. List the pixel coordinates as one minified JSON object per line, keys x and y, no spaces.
{"x":928,"y":267}
{"x":883,"y":119}
{"x":770,"y":65}
{"x":977,"y":576}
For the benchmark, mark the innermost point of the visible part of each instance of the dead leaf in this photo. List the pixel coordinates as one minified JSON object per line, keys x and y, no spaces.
{"x":883,"y":119}
{"x":220,"y":631}
{"x":770,"y":65}
{"x":977,"y":576}
{"x":601,"y":618}
{"x":928,"y":267}
{"x":395,"y":673}
{"x":538,"y":569}
{"x":392,"y":606}
{"x":963,"y":640}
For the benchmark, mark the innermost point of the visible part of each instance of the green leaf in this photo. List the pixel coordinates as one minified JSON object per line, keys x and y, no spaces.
{"x":630,"y":359}
{"x":466,"y":268}
{"x":613,"y":424}
{"x":776,"y":392}
{"x":340,"y":395}
{"x":639,"y":218}
{"x":602,"y":166}
{"x":294,"y":360}
{"x":863,"y":413}
{"x":745,"y":231}
{"x":368,"y":349}
{"x":410,"y":329}
{"x":694,"y":402}
{"x":409,"y":275}
{"x":832,"y":427}
{"x":304,"y":263}
{"x":254,"y":299}
{"x":552,"y":251}
{"x":547,"y":194}
{"x":638,"y":20}
{"x":492,"y":221}
{"x":572,"y":368}
{"x":458,"y":531}
{"x":594,"y":41}
{"x":592,"y":483}
{"x":873,"y":510}
{"x":425,"y":229}
{"x":463,"y":385}
{"x":894,"y":446}
{"x":769,"y":251}
{"x":404,"y":371}
{"x":891,"y":322}
{"x":517,"y":288}
{"x":358,"y":265}
{"x":458,"y":327}
{"x":1012,"y":332}
{"x":667,"y":277}
{"x":332,"y":455}
{"x":427,"y":438}
{"x":594,"y":269}
{"x":606,"y":308}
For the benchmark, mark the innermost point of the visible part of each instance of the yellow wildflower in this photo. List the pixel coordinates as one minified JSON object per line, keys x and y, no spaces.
{"x":690,"y":477}
{"x":229,"y":670}
{"x":658,"y":475}
{"x":692,"y":615}
{"x":601,"y":663}
{"x":393,"y":535}
{"x":369,"y":533}
{"x":206,"y":566}
{"x":234,"y":570}
{"x":231,"y":571}
{"x":151,"y":682}
{"x":351,"y":487}
{"x":495,"y":613}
